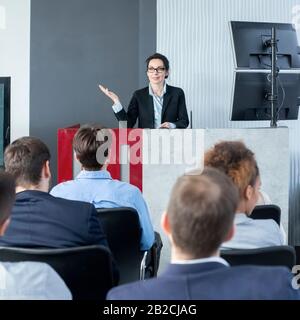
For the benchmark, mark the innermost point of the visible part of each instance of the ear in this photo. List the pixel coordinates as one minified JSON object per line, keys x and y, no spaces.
{"x":230,"y":233}
{"x":47,"y":170}
{"x":76,"y":157}
{"x":248,"y":192}
{"x":165,"y":224}
{"x":105,"y":165}
{"x":4,"y":226}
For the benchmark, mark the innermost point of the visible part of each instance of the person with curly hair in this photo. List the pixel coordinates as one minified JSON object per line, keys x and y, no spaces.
{"x":238,"y":162}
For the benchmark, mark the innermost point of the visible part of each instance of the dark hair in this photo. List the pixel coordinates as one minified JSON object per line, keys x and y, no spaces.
{"x":201,"y":211}
{"x":25,"y":158}
{"x":163,"y":58}
{"x":86,"y":145}
{"x":236,"y":161}
{"x":7,"y":195}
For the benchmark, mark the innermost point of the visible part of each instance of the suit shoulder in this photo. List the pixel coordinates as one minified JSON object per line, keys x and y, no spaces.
{"x":175,"y":89}
{"x":138,"y":290}
{"x":142,"y":91}
{"x":264,"y":274}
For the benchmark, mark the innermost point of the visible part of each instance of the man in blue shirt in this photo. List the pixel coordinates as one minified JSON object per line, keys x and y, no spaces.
{"x":95,"y":185}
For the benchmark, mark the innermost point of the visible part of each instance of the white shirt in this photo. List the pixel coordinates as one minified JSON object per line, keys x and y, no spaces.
{"x":31,"y":281}
{"x":264,"y":199}
{"x":203,"y":260}
{"x":254,"y":233}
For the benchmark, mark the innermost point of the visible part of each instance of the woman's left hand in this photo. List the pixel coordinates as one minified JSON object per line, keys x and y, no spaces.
{"x":165,"y":125}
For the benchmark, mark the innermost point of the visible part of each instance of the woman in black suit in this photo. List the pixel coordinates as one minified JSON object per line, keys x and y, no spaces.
{"x":156,"y":106}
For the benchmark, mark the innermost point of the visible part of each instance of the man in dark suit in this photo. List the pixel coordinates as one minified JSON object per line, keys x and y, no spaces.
{"x":156,"y":106}
{"x":39,"y":219}
{"x":199,"y":218}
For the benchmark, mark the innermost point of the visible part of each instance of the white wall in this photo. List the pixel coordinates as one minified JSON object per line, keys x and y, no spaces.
{"x":195,"y":36}
{"x":14,"y":60}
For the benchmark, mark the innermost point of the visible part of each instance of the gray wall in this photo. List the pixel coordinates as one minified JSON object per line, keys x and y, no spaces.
{"x":76,"y":44}
{"x":147,"y":36}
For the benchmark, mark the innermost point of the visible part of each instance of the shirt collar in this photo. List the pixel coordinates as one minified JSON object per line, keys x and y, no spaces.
{"x":164,"y":90}
{"x":203,"y":260}
{"x":240,"y":217}
{"x":100,"y":174}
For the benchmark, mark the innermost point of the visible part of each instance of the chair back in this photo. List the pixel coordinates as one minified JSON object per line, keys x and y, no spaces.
{"x":87,"y":271}
{"x":269,"y":256}
{"x":123,"y":231}
{"x":270,"y":211}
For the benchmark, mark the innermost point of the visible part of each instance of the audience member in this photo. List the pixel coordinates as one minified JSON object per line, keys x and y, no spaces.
{"x":25,"y":280}
{"x":94,"y":183}
{"x":238,"y":162}
{"x":39,"y":219}
{"x":199,"y":218}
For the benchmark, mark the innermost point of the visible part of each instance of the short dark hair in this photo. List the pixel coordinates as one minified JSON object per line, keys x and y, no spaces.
{"x":163,"y":58}
{"x":236,"y":161}
{"x":86,"y":145}
{"x":201,"y":211}
{"x":25,"y":158}
{"x":7,"y":195}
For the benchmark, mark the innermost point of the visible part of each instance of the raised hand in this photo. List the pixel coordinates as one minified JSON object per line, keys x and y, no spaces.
{"x":110,"y":94}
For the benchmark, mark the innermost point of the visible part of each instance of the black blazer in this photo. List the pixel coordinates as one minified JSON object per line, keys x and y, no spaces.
{"x":141,"y":107}
{"x":41,"y":220}
{"x":211,"y":280}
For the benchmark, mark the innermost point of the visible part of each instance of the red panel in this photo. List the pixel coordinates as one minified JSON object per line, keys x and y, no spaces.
{"x":135,"y":141}
{"x":114,"y":162}
{"x":131,"y":137}
{"x":65,"y":153}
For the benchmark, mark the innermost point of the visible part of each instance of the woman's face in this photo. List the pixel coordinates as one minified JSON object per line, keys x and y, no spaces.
{"x":253,"y":195}
{"x":156,"y":71}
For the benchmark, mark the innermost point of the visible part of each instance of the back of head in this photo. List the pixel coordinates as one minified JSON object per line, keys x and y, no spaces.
{"x":235,"y":160}
{"x":7,"y":195}
{"x":201,"y":211}
{"x":88,"y":143}
{"x":24,"y":160}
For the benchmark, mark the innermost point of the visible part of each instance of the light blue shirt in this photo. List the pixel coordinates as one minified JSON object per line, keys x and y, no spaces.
{"x":31,"y":281}
{"x":158,"y":102}
{"x":254,"y":233}
{"x":98,"y":188}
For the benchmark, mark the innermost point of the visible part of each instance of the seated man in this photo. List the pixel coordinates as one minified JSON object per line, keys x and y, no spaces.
{"x":39,"y":219}
{"x":95,"y":185}
{"x":239,"y":164}
{"x":25,"y":280}
{"x":199,"y":219}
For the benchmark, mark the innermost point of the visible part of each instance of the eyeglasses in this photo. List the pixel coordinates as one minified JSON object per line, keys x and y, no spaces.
{"x":158,"y":70}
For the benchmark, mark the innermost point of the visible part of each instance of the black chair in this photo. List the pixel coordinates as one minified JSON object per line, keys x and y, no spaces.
{"x":123,"y":231}
{"x":87,"y":271}
{"x":269,"y":256}
{"x":270,"y":211}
